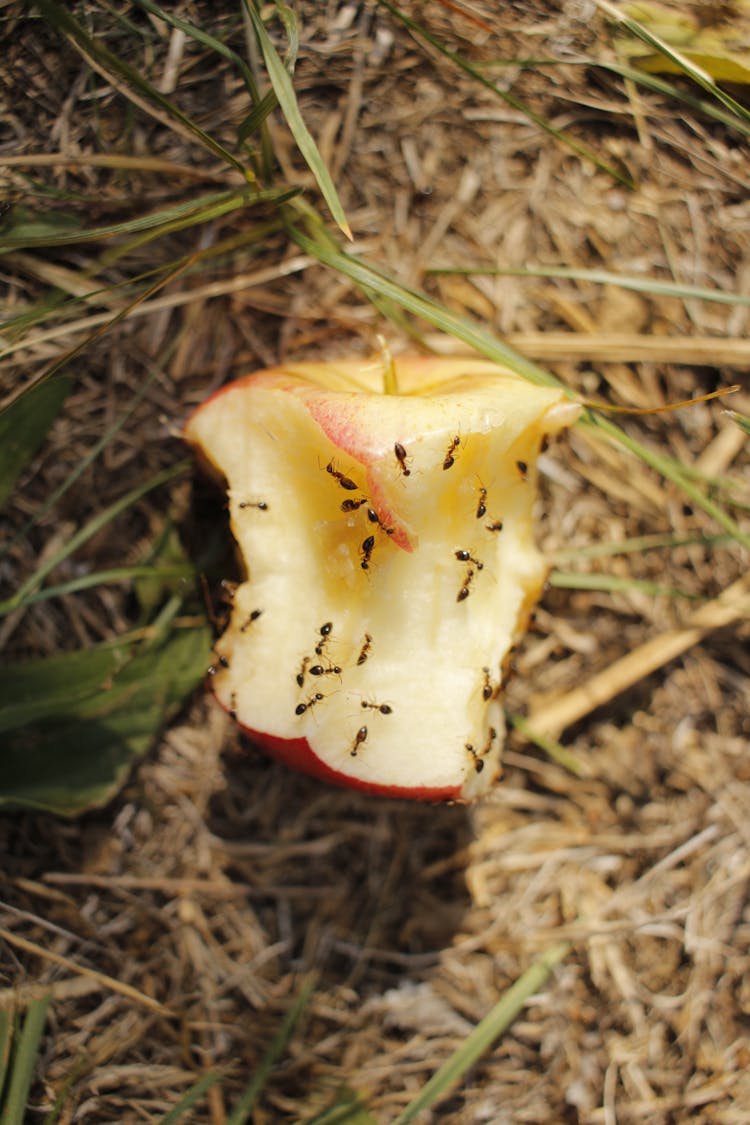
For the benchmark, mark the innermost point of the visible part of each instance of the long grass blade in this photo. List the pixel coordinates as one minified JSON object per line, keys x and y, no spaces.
{"x":479,"y":1041}
{"x":284,"y":90}
{"x":244,"y":1107}
{"x":614,"y":583}
{"x":553,"y":749}
{"x":604,"y":277}
{"x":24,"y":1060}
{"x":101,"y":578}
{"x":577,"y":146}
{"x":94,"y":525}
{"x":700,"y":76}
{"x":59,"y":18}
{"x":191,"y":1097}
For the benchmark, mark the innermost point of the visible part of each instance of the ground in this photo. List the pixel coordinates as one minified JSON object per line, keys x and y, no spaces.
{"x":187,"y":913}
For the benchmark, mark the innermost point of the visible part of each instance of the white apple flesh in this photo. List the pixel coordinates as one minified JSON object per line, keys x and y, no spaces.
{"x":390,"y":563}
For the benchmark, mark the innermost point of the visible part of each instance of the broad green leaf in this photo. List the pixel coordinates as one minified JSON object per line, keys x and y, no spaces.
{"x":23,"y":427}
{"x":76,"y":723}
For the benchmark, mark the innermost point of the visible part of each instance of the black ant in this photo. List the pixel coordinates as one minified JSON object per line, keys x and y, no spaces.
{"x":481,"y":505}
{"x":373,"y":517}
{"x":353,"y":505}
{"x":544,"y":444}
{"x":325,"y":632}
{"x":365,"y":650}
{"x":319,"y":670}
{"x":478,"y":763}
{"x":233,"y":705}
{"x":302,"y":707}
{"x":383,"y":708}
{"x":523,"y":469}
{"x":253,"y":617}
{"x":302,"y":669}
{"x":487,"y":688}
{"x":450,"y":460}
{"x":464,"y":556}
{"x":367,"y":548}
{"x":359,"y":738}
{"x":496,"y":526}
{"x":345,"y":482}
{"x":259,"y":504}
{"x":221,"y":660}
{"x":400,"y":452}
{"x":463,"y":593}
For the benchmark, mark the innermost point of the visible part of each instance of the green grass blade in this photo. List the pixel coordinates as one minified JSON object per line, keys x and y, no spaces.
{"x":95,"y":524}
{"x":59,"y":18}
{"x":638,"y":544}
{"x":614,"y":583}
{"x":603,"y":277}
{"x":480,"y":1040}
{"x":24,"y":426}
{"x":244,"y":1107}
{"x":674,"y":56}
{"x":284,"y":90}
{"x":102,"y":578}
{"x":347,"y":1108}
{"x":553,"y":749}
{"x":164,"y":221}
{"x":572,"y":143}
{"x":192,"y":1096}
{"x":24,"y":1060}
{"x":741,"y":420}
{"x":6,"y":1043}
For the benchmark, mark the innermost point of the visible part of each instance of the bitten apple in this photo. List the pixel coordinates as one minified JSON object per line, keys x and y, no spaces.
{"x":390,"y":563}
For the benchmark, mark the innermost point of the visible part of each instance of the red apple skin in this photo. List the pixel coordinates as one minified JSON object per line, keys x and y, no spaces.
{"x":296,"y":754}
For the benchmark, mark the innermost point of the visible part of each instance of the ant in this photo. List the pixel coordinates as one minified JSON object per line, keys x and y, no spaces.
{"x":487,"y":688}
{"x":523,"y":469}
{"x":481,"y":505}
{"x":400,"y":452}
{"x":463,"y":593}
{"x":496,"y":526}
{"x":365,"y":650}
{"x":359,"y":738}
{"x":221,"y":660}
{"x":478,"y":763}
{"x":450,"y":460}
{"x":464,"y":556}
{"x":253,"y":617}
{"x":353,"y":505}
{"x":302,"y":669}
{"x":325,"y":632}
{"x":367,"y":548}
{"x":302,"y":707}
{"x":373,"y":517}
{"x":319,"y":670}
{"x":233,"y":705}
{"x":383,"y":708}
{"x":259,"y":504}
{"x":345,"y":482}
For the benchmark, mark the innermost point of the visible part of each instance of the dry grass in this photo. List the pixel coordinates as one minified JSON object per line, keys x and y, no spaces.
{"x":174,"y":927}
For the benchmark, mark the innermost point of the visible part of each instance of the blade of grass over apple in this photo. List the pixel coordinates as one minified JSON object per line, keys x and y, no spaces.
{"x":572,"y":143}
{"x":284,"y":90}
{"x":23,"y":427}
{"x":100,"y":57}
{"x":372,"y":278}
{"x":24,"y":1052}
{"x":481,"y":1039}
{"x":603,"y":277}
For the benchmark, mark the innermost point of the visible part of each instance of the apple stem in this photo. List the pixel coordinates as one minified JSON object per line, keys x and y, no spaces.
{"x":390,"y":382}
